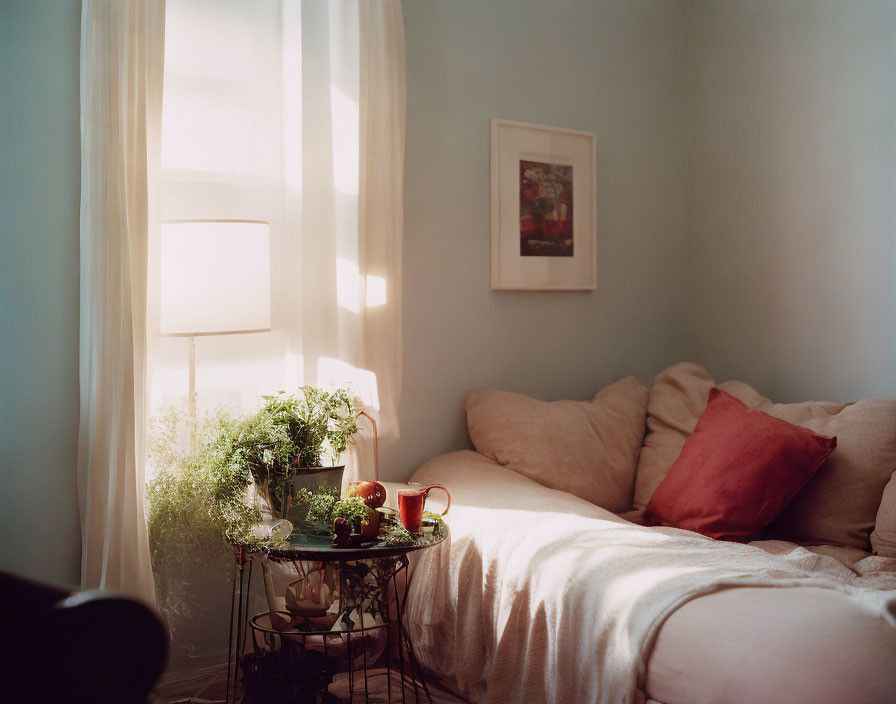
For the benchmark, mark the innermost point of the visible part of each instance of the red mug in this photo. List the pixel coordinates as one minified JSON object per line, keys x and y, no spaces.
{"x":410,"y":506}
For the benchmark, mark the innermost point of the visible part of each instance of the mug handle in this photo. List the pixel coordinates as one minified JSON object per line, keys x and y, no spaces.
{"x":438,"y":486}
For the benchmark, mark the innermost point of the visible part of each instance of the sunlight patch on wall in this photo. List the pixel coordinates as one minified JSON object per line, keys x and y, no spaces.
{"x":348,"y":287}
{"x":376,"y":291}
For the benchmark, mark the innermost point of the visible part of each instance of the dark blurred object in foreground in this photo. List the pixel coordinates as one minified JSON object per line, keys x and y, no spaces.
{"x":83,"y":647}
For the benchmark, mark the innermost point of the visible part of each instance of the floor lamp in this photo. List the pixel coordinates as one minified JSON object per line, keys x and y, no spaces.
{"x":215,"y":280}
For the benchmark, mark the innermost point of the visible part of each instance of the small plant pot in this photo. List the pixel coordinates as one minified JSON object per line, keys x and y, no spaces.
{"x":370,"y":530}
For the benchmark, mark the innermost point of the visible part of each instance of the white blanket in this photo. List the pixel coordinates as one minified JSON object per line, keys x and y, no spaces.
{"x":542,"y":597}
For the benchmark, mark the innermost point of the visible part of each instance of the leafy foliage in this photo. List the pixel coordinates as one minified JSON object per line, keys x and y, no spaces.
{"x":299,"y":431}
{"x":198,"y":499}
{"x":397,"y":534}
{"x":325,"y":506}
{"x":197,"y":504}
{"x":320,"y":506}
{"x":353,"y":510}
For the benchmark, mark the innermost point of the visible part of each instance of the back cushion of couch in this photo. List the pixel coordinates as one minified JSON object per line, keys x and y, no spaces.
{"x":586,"y":448}
{"x":677,"y":397}
{"x":883,"y":539}
{"x":839,"y":504}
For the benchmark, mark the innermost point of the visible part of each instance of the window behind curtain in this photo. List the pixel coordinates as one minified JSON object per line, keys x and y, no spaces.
{"x":231,"y":84}
{"x":261,"y":122}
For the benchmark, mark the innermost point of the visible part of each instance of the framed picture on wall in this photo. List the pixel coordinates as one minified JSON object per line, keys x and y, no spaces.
{"x":543,"y":193}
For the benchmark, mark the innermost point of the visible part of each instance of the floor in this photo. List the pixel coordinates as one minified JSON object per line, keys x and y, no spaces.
{"x":210,"y":690}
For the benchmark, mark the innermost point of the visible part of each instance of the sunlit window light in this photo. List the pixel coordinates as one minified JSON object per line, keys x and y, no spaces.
{"x":206,"y":133}
{"x":294,"y":365}
{"x":291,"y":95}
{"x":335,"y":372}
{"x":209,"y":40}
{"x":348,"y":285}
{"x":239,"y":387}
{"x":346,"y":147}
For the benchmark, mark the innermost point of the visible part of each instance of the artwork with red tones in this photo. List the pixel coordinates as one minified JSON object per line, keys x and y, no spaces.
{"x":545,"y":209}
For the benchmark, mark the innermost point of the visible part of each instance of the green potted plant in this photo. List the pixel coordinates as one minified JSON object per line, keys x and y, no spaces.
{"x":294,"y":441}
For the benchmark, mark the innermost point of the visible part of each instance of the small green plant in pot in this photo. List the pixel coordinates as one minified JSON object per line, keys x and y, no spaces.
{"x":294,"y":441}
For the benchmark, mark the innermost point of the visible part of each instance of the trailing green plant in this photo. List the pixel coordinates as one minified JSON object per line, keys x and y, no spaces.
{"x":196,"y":506}
{"x":197,"y":498}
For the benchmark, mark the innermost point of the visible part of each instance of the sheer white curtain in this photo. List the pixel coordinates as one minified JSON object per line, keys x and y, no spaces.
{"x":292,"y":113}
{"x":276,"y":110}
{"x":121,"y":78}
{"x":382,"y":128}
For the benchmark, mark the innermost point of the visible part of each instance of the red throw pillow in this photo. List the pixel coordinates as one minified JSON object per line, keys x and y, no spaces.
{"x":737,"y":472}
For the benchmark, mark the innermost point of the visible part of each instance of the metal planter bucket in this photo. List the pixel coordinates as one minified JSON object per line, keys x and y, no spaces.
{"x":317,"y":478}
{"x":279,"y":493}
{"x":314,"y":480}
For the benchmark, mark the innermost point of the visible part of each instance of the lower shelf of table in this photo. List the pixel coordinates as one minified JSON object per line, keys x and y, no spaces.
{"x":294,"y":677}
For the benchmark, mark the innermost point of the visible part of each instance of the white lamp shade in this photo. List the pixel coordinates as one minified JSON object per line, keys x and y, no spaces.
{"x":215,"y":278}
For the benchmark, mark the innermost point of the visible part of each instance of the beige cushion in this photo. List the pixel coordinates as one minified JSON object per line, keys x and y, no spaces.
{"x":839,"y":504}
{"x":883,"y":539}
{"x":678,"y":396}
{"x":587,"y":448}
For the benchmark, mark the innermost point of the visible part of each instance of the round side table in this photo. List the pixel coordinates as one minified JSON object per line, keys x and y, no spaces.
{"x":368,"y":585}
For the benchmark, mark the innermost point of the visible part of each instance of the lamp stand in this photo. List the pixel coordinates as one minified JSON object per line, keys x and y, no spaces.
{"x":376,"y":445}
{"x":191,"y":397}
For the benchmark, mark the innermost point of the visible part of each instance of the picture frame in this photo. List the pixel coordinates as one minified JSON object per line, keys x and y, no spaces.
{"x":543,"y":201}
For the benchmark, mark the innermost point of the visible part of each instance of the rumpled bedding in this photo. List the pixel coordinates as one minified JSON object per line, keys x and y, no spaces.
{"x":543,"y":597}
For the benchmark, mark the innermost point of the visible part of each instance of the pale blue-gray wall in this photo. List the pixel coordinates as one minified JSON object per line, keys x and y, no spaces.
{"x":612,"y":67}
{"x":792,"y":114}
{"x":39,"y":192}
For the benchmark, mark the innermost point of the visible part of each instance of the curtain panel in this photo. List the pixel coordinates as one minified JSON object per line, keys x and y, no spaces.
{"x":381,"y":207}
{"x":122,"y":44}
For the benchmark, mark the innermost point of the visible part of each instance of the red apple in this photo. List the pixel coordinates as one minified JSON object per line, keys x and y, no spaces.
{"x":373,"y":493}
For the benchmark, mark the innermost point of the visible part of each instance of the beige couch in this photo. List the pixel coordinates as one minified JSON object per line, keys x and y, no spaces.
{"x":550,"y":591}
